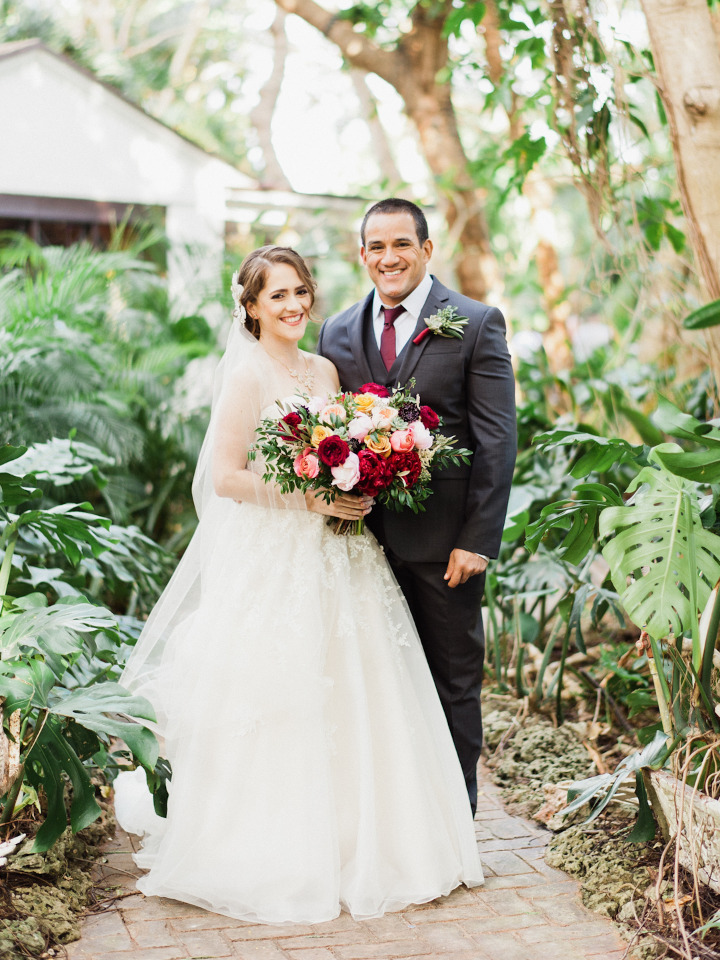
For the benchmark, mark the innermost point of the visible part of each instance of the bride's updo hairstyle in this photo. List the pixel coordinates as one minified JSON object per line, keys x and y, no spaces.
{"x":253,"y":277}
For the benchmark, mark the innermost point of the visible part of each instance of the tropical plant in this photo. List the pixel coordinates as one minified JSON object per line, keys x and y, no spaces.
{"x":90,"y":344}
{"x":56,"y":713}
{"x":662,"y":545}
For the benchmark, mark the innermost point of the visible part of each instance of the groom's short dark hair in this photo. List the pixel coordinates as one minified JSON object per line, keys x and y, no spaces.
{"x":398,"y":205}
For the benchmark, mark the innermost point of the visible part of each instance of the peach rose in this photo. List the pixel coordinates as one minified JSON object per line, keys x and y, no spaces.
{"x":306,"y":464}
{"x":383,"y":417}
{"x":402,"y":441}
{"x":380,"y":446}
{"x":319,"y":433}
{"x":334,"y":411}
{"x":364,"y":402}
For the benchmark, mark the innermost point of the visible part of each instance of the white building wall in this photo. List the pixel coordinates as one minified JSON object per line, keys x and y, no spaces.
{"x":64,"y":134}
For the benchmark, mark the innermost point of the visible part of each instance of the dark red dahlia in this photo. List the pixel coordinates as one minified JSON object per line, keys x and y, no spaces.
{"x":333,"y":451}
{"x":374,"y":474}
{"x":407,"y":464}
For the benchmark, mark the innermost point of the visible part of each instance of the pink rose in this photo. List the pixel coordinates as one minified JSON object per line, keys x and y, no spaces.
{"x":359,"y":427}
{"x":306,"y":464}
{"x":402,"y":441}
{"x":421,"y":435}
{"x":347,"y":474}
{"x":334,"y":412}
{"x":315,"y":405}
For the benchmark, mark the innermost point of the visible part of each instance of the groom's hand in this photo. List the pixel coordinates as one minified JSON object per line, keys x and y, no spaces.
{"x":345,"y":506}
{"x":462,"y":565}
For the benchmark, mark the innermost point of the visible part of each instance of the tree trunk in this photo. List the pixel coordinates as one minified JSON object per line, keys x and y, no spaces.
{"x":386,"y":161}
{"x":412,"y":69}
{"x":9,"y":752}
{"x":687,"y":60}
{"x":262,"y":114}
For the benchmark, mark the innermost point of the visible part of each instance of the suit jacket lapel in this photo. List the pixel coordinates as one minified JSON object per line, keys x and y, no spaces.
{"x":437,"y":300}
{"x":355,"y":335}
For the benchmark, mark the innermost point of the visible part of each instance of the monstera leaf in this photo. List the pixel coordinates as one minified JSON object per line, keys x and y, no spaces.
{"x":662,"y":561}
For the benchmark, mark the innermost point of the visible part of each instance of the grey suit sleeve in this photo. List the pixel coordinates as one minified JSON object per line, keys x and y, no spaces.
{"x":490,"y":386}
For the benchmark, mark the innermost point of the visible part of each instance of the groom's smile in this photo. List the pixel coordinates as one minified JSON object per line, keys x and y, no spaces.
{"x":393,"y":256}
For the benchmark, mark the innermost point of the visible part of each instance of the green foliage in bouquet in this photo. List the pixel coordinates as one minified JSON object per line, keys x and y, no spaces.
{"x":315,"y":447}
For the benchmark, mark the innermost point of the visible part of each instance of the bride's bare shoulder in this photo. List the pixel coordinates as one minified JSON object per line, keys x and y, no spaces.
{"x":322,"y":366}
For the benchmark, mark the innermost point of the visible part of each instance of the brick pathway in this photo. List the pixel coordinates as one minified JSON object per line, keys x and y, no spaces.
{"x":525,"y":911}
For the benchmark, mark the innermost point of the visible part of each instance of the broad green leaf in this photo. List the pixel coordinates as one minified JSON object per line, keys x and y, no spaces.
{"x":678,"y":424}
{"x":52,"y":755}
{"x":576,"y":517}
{"x":645,"y":826}
{"x":518,"y":513}
{"x":650,"y":541}
{"x":58,"y":630}
{"x":16,"y":694}
{"x":89,"y":708}
{"x":653,"y":755}
{"x":8,"y":453}
{"x":61,"y":461}
{"x":702,"y":466}
{"x":36,"y":677}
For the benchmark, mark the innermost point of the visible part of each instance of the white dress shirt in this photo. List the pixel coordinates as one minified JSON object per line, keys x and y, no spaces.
{"x":406,"y":322}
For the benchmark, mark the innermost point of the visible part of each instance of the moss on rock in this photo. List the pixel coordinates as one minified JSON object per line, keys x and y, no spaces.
{"x":51,"y":910}
{"x":536,"y":754}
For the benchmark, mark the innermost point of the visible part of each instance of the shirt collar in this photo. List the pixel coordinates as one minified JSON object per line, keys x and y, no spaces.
{"x":413,"y":302}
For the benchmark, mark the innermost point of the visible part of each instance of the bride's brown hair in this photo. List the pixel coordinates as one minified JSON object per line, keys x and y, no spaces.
{"x":253,"y":277}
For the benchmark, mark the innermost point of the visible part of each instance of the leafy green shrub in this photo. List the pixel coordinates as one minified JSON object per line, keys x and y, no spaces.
{"x":57,"y":715}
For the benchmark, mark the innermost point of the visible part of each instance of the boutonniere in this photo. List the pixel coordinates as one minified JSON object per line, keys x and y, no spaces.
{"x":444,"y":323}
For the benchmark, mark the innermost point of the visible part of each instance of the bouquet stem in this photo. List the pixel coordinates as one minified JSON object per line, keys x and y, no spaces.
{"x":345,"y":527}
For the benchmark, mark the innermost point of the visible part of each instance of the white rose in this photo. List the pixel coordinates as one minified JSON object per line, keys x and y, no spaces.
{"x":359,"y":427}
{"x":421,"y":435}
{"x":316,"y":404}
{"x":348,"y":473}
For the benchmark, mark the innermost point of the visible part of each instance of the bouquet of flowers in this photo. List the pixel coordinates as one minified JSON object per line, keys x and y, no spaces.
{"x":373,"y":442}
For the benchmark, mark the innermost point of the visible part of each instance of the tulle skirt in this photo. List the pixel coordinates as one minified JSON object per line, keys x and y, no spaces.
{"x":313,"y":769}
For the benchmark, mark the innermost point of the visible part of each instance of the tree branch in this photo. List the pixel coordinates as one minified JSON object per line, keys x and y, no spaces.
{"x":262,"y":114}
{"x":357,"y":49}
{"x":385,"y":158}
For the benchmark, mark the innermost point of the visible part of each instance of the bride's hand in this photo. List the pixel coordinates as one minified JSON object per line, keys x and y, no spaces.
{"x":346,"y":506}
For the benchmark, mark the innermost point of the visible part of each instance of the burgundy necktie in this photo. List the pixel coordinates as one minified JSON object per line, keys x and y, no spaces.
{"x":387,"y":339}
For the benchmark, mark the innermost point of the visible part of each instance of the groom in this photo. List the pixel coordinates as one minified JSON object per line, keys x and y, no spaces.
{"x":439,"y":557}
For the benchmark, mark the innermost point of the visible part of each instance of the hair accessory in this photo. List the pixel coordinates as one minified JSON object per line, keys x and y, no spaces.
{"x":236,"y":288}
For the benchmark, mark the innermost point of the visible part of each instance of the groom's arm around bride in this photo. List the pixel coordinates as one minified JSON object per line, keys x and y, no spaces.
{"x":439,"y":557}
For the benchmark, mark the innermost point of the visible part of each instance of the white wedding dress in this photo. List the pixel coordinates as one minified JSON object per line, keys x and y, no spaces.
{"x":313,"y":769}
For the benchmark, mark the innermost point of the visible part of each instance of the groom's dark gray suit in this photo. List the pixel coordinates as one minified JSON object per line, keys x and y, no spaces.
{"x":470,"y":383}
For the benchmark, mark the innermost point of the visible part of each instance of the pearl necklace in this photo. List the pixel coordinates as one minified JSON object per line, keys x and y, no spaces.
{"x":306,"y":379}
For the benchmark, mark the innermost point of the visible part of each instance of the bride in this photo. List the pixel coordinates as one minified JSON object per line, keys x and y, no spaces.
{"x":313,"y":769}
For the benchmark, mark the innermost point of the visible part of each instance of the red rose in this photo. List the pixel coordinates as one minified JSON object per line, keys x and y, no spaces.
{"x":374,"y":474}
{"x":377,"y":388}
{"x":429,"y":418}
{"x":291,"y":421}
{"x":333,"y":451}
{"x":407,"y":464}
